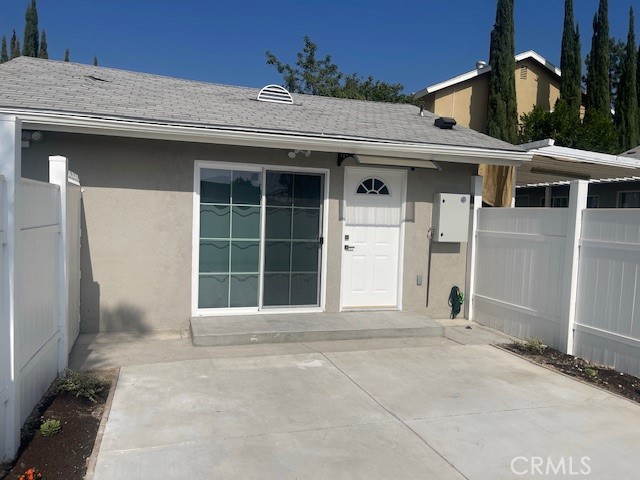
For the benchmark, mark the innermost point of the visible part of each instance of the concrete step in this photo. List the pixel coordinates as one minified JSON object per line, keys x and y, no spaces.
{"x":310,"y":327}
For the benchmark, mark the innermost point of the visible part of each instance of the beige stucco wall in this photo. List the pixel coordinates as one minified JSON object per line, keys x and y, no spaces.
{"x":137,"y":226}
{"x":467,"y":101}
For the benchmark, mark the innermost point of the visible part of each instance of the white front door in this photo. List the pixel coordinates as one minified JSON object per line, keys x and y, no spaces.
{"x":371,"y":237}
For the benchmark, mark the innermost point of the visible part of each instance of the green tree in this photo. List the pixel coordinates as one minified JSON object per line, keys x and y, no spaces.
{"x":502,"y":113}
{"x":4,"y":56}
{"x":43,"y":53}
{"x":626,"y":111}
{"x":31,"y":40}
{"x":66,"y":55}
{"x":15,"y":46}
{"x":571,"y":62}
{"x":95,"y":61}
{"x":320,"y":76}
{"x":598,"y":82}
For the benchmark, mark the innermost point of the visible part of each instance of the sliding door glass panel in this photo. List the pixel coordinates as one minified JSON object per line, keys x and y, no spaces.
{"x":229,"y":238}
{"x":244,"y":290}
{"x":213,"y":291}
{"x":276,"y":289}
{"x":292,"y":234}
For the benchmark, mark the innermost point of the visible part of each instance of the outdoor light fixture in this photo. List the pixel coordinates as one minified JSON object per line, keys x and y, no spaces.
{"x":31,"y":136}
{"x":294,"y":153}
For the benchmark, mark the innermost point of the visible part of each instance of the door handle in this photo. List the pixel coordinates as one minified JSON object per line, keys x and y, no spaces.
{"x":348,"y":248}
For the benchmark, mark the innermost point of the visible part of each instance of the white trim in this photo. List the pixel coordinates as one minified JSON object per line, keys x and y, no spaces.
{"x":529,"y":54}
{"x":403,"y":206}
{"x":198,"y":165}
{"x":58,"y":122}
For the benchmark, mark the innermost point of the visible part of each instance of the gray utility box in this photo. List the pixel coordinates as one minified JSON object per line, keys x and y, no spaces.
{"x":451,"y":217}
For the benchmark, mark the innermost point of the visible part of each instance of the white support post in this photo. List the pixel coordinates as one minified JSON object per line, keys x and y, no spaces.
{"x":577,"y":204}
{"x":58,"y":175}
{"x":476,"y":196}
{"x":10,"y":168}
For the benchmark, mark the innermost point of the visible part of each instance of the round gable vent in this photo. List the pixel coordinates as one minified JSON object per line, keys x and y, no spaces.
{"x":275,"y":94}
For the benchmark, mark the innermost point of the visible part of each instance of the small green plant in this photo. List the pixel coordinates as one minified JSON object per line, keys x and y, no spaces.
{"x":50,"y":427}
{"x":82,"y":384}
{"x":590,"y":372}
{"x":533,"y":345}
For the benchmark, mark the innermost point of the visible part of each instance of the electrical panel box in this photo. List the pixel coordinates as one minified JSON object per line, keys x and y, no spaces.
{"x":451,"y":217}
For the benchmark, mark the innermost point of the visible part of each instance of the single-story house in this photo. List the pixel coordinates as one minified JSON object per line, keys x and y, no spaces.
{"x":206,"y":200}
{"x":614,"y":180}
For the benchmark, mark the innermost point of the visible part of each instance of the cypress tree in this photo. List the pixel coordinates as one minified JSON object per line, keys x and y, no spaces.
{"x":626,"y":116}
{"x":66,"y":55}
{"x":4,"y":56}
{"x":15,"y":46}
{"x":570,"y":63}
{"x":30,"y":45}
{"x":502,"y":114}
{"x":95,"y":61}
{"x":598,"y":87}
{"x":43,"y":53}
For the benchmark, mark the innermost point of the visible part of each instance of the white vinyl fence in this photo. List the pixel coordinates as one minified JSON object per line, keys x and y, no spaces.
{"x":607,"y":329}
{"x":569,"y":276}
{"x":39,"y":277}
{"x":520,"y":261}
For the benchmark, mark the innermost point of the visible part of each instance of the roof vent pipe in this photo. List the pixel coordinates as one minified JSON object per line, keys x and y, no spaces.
{"x":480,"y":64}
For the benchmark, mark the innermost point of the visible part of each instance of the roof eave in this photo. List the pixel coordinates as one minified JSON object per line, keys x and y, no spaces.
{"x":60,"y":122}
{"x":529,"y":54}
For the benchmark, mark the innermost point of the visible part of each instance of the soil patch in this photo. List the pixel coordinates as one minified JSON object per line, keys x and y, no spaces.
{"x":604,"y":377}
{"x":64,"y":455}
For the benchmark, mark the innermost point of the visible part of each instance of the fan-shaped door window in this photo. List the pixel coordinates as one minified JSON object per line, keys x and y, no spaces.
{"x":373,"y":186}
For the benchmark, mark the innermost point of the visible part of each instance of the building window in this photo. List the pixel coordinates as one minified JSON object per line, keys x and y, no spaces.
{"x":592,"y":201}
{"x":629,"y":199}
{"x":373,"y":186}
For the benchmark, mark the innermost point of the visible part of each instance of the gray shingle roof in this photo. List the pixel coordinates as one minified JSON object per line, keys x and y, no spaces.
{"x":53,"y":86}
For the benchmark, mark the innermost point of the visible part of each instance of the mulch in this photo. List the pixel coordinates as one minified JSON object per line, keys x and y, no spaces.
{"x":604,"y":377}
{"x":63,"y":456}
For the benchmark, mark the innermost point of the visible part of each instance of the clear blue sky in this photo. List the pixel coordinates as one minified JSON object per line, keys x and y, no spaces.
{"x":416,"y":43}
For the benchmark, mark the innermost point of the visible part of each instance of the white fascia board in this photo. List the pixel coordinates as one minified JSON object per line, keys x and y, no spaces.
{"x":529,"y":54}
{"x":452,"y":81}
{"x":540,"y":59}
{"x":281,"y":140}
{"x":585,"y":156}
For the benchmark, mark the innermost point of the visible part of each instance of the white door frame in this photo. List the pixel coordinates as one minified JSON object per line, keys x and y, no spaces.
{"x":403,"y":198}
{"x":195,"y":253}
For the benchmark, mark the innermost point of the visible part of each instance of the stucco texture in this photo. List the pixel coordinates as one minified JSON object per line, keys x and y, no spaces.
{"x":137,"y":226}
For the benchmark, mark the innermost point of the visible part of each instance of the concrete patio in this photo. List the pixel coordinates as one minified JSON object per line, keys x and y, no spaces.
{"x":442,"y":408}
{"x":311,"y":327}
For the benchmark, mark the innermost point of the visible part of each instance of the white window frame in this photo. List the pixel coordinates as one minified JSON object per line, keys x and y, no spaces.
{"x":195,"y":253}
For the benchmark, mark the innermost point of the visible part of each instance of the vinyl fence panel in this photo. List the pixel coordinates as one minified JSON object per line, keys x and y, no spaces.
{"x":37,"y":277}
{"x":519,"y":271}
{"x":607,"y":329}
{"x":73,"y":259}
{"x":5,"y":348}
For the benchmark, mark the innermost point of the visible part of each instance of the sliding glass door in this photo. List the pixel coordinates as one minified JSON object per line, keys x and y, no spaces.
{"x":260,"y":241}
{"x":292,"y":239}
